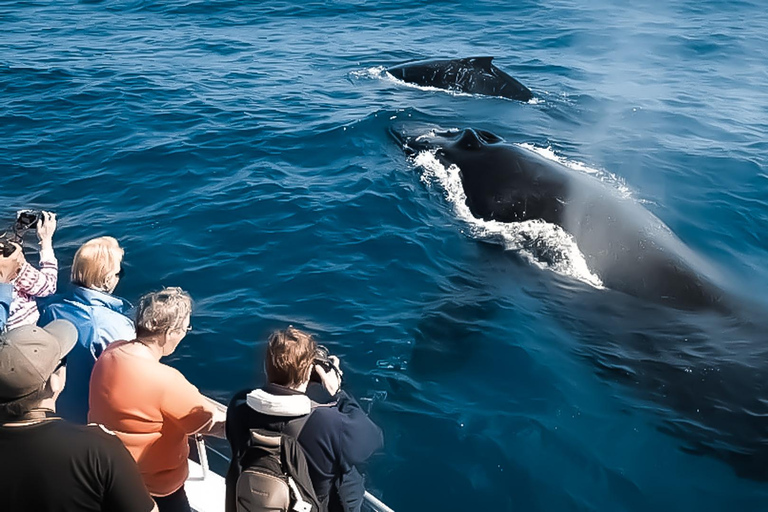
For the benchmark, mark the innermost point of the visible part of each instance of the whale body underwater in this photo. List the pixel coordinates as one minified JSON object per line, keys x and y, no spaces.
{"x":473,"y":75}
{"x":711,"y":371}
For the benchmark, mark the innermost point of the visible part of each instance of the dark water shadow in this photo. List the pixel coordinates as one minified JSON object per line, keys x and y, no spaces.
{"x":705,"y":373}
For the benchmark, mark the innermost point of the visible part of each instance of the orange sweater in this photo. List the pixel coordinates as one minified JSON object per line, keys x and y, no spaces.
{"x":152,"y":408}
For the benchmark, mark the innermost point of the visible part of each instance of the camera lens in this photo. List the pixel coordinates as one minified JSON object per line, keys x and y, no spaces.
{"x":28,"y":219}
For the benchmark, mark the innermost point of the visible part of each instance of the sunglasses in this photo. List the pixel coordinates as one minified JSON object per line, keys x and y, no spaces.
{"x":120,"y":274}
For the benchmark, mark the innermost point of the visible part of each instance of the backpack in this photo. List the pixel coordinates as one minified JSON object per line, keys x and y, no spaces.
{"x":274,"y":476}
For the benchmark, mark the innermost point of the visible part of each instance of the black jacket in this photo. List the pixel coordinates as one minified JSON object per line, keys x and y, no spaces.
{"x":337,"y":438}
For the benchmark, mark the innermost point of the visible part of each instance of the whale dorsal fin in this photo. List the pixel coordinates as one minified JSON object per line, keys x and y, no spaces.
{"x":470,"y":139}
{"x":475,"y":139}
{"x":481,"y":62}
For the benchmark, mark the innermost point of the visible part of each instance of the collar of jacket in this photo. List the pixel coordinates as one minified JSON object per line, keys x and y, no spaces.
{"x":275,"y":400}
{"x":91,"y":297}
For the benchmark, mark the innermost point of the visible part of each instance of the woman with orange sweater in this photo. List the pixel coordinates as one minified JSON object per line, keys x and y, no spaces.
{"x":149,"y":405}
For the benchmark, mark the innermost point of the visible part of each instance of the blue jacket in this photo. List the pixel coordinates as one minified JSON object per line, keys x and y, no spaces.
{"x":100,"y":319}
{"x":6,"y":296}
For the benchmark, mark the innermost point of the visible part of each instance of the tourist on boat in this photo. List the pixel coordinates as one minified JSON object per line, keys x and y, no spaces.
{"x":99,"y":316}
{"x":150,"y":405}
{"x":337,"y":437}
{"x":29,"y":283}
{"x":47,"y":463}
{"x":9,"y":267}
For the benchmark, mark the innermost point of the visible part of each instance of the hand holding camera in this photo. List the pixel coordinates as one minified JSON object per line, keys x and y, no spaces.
{"x":326,"y":370}
{"x":46,"y":226}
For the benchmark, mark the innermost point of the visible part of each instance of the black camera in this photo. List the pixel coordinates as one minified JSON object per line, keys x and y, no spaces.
{"x":323,"y":358}
{"x":6,"y":248}
{"x":28,"y":219}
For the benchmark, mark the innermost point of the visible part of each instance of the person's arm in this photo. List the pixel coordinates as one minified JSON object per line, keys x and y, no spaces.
{"x":219,"y":423}
{"x":41,"y":283}
{"x":330,"y":380}
{"x":186,"y":406}
{"x":359,"y":436}
{"x":45,"y":229}
{"x":37,"y":283}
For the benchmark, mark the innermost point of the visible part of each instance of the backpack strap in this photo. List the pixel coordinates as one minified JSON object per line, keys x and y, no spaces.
{"x":301,"y":486}
{"x":294,"y":427}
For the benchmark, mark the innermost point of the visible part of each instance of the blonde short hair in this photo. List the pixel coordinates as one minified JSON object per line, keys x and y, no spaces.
{"x":163,"y":311}
{"x":95,"y":262}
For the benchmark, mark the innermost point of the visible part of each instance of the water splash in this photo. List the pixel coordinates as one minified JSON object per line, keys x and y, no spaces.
{"x":545,"y":245}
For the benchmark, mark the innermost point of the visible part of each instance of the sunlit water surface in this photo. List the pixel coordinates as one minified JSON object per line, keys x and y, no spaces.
{"x":241,"y":150}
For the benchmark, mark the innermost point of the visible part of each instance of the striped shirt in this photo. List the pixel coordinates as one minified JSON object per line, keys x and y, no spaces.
{"x":30,"y":284}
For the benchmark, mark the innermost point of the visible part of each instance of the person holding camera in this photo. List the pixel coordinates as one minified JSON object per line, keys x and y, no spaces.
{"x":29,"y":283}
{"x":337,"y":437}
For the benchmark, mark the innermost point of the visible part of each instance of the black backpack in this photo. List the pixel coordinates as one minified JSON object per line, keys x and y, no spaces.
{"x":274,"y":476}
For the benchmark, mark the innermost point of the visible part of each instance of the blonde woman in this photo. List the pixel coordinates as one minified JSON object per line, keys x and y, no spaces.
{"x":99,"y":316}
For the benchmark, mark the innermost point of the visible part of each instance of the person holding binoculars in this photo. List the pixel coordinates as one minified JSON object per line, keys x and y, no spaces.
{"x":336,"y":437}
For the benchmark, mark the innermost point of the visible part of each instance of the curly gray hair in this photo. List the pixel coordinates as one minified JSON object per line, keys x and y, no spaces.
{"x":163,"y":311}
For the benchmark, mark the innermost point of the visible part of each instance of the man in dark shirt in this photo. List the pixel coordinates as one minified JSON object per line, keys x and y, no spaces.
{"x":336,"y":438}
{"x":46,"y":463}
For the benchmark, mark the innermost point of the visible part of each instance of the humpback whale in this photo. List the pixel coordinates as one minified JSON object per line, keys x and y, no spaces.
{"x":474,"y":75}
{"x":625,"y":245}
{"x":681,"y":338}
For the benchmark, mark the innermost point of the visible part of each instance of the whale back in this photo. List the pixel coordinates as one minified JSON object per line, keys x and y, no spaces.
{"x":501,"y":184}
{"x":626,"y":245}
{"x":473,"y":75}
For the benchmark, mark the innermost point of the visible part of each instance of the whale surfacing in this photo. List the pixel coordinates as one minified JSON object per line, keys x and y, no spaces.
{"x":473,"y":75}
{"x":624,"y":244}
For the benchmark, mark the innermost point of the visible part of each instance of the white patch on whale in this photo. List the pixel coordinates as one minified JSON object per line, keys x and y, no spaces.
{"x":545,"y":245}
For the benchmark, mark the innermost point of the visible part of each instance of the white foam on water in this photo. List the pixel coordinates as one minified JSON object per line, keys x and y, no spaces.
{"x":375,"y":72}
{"x":545,"y":245}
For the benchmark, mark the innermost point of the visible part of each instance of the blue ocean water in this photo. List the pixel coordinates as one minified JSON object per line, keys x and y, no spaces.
{"x":240,"y":150}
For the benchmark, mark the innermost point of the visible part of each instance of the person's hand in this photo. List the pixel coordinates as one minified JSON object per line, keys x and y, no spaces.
{"x":45,"y":227}
{"x":10,"y":266}
{"x":331,"y":380}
